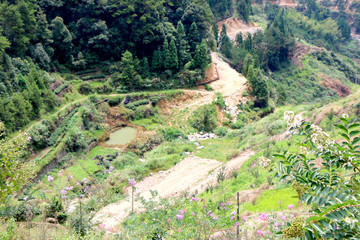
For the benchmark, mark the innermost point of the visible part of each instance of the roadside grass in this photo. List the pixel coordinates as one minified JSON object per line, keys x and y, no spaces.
{"x":269,"y":201}
{"x":221,"y":149}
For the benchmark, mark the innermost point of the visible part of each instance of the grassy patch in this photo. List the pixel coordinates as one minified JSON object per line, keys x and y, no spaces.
{"x":221,"y":149}
{"x":269,"y":201}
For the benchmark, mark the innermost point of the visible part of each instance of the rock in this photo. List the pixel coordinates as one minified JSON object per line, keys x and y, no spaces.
{"x":151,"y":174}
{"x":141,"y":160}
{"x":201,"y":147}
{"x":52,"y":220}
{"x":196,"y":144}
{"x":187,"y":153}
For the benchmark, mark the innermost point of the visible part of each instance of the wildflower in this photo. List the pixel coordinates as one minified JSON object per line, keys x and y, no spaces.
{"x":267,"y":232}
{"x":233,"y":213}
{"x":260,"y":233}
{"x":29,"y":139}
{"x":179,"y":217}
{"x":182,"y":212}
{"x":50,"y":178}
{"x":263,"y":216}
{"x":215,"y":218}
{"x":208,"y":213}
{"x":236,"y":224}
{"x":283,"y":218}
{"x":244,"y":218}
{"x":231,"y":218}
{"x":211,"y":214}
{"x":60,"y":172}
{"x":102,"y":226}
{"x":85,"y":180}
{"x":168,"y":221}
{"x":64,"y":197}
{"x":292,"y":120}
{"x":282,"y":224}
{"x":291,"y":207}
{"x":63,"y":192}
{"x":70,"y":177}
{"x":192,"y":214}
{"x":132,"y":182}
{"x":280,"y":202}
{"x":179,"y":229}
{"x":292,"y":216}
{"x":264,"y":162}
{"x":346,"y":116}
{"x":26,"y":198}
{"x":276,"y":224}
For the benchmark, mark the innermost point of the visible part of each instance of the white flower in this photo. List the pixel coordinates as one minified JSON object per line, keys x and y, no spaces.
{"x":264,"y":162}
{"x":345,"y":115}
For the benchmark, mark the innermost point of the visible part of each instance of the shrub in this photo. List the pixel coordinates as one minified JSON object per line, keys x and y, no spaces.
{"x":104,"y":88}
{"x":125,"y":160}
{"x":205,"y":118}
{"x":208,"y":87}
{"x":221,"y":131}
{"x":173,"y":133}
{"x":86,"y":88}
{"x":220,"y":101}
{"x":115,"y":100}
{"x":135,"y":104}
{"x":61,"y":88}
{"x":97,"y":76}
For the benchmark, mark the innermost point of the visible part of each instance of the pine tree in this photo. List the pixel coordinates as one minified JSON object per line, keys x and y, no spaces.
{"x":128,"y":72}
{"x":180,"y":33}
{"x":216,"y":33}
{"x":50,"y":101}
{"x":225,"y":45}
{"x":194,"y":37}
{"x":145,"y":69}
{"x":183,"y":46}
{"x":257,"y":87}
{"x":239,"y":39}
{"x":34,"y":95}
{"x":157,"y":60}
{"x":166,"y":55}
{"x":22,"y":110}
{"x":174,"y":61}
{"x":201,"y":56}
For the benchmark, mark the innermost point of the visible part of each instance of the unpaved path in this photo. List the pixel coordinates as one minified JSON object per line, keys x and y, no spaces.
{"x":192,"y":174}
{"x":235,"y":26}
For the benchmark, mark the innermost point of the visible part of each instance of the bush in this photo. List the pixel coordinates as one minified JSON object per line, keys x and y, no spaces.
{"x":220,"y":101}
{"x":105,"y":88}
{"x":221,"y":131}
{"x":144,"y":112}
{"x":125,"y":160}
{"x":135,"y":104}
{"x":205,"y":118}
{"x":86,"y":88}
{"x":97,"y":76}
{"x":173,"y":133}
{"x":208,"y":87}
{"x":61,"y":88}
{"x":115,"y":100}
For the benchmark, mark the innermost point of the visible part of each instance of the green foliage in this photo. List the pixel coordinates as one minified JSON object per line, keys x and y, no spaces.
{"x":135,"y":104}
{"x":205,"y":118}
{"x":173,"y":133}
{"x":334,"y":199}
{"x":221,"y":131}
{"x":86,"y":88}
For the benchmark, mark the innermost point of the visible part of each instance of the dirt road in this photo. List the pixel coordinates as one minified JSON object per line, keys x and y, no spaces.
{"x":192,"y":175}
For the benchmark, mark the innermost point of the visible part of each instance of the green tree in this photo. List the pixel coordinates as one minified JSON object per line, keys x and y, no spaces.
{"x":157,"y":60}
{"x":33,"y":93}
{"x":205,"y":118}
{"x":225,"y":43}
{"x":49,"y":100}
{"x":129,"y":78}
{"x":216,"y":33}
{"x":194,"y":36}
{"x":62,"y":40}
{"x":166,"y":55}
{"x":183,"y":46}
{"x":201,"y":56}
{"x":257,"y":87}
{"x":173,"y":61}
{"x":22,"y":110}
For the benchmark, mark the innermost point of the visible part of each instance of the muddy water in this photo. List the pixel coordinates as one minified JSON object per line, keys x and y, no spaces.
{"x":122,"y":136}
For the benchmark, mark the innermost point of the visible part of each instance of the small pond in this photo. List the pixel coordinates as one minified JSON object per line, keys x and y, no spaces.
{"x":122,"y":136}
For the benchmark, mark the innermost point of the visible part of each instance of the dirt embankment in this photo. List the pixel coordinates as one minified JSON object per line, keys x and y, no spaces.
{"x":340,"y":88}
{"x":235,"y":26}
{"x":301,"y":51}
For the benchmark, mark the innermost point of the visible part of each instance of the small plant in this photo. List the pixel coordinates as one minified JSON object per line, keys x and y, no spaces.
{"x":208,"y":87}
{"x":221,"y":131}
{"x":221,"y":176}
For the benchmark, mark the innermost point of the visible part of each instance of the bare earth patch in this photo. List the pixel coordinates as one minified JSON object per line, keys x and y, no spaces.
{"x":235,"y":26}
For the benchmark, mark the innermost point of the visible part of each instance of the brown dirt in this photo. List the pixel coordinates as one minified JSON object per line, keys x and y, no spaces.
{"x":235,"y":26}
{"x":287,"y":3}
{"x":340,"y":88}
{"x":301,"y":51}
{"x":192,"y":174}
{"x":231,"y":85}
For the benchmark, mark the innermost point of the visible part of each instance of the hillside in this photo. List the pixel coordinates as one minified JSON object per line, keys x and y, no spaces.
{"x":179,"y":119}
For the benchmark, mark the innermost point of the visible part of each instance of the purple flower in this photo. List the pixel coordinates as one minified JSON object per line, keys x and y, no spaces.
{"x":263,"y":216}
{"x":193,"y":214}
{"x":276,"y":224}
{"x":244,"y":218}
{"x":283,"y":218}
{"x":222,"y":204}
{"x":233,"y":213}
{"x":85,"y":180}
{"x":211,"y":214}
{"x":267,"y":232}
{"x":63,"y":192}
{"x":63,"y":197}
{"x":168,"y":221}
{"x":182,"y":212}
{"x":50,"y":178}
{"x":26,"y":198}
{"x":282,"y":224}
{"x":231,"y":218}
{"x":236,"y":224}
{"x":70,"y":177}
{"x":291,"y":207}
{"x":215,"y":218}
{"x":292,"y":216}
{"x":208,"y":213}
{"x":132,"y":182}
{"x":280,"y":202}
{"x":179,"y":217}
